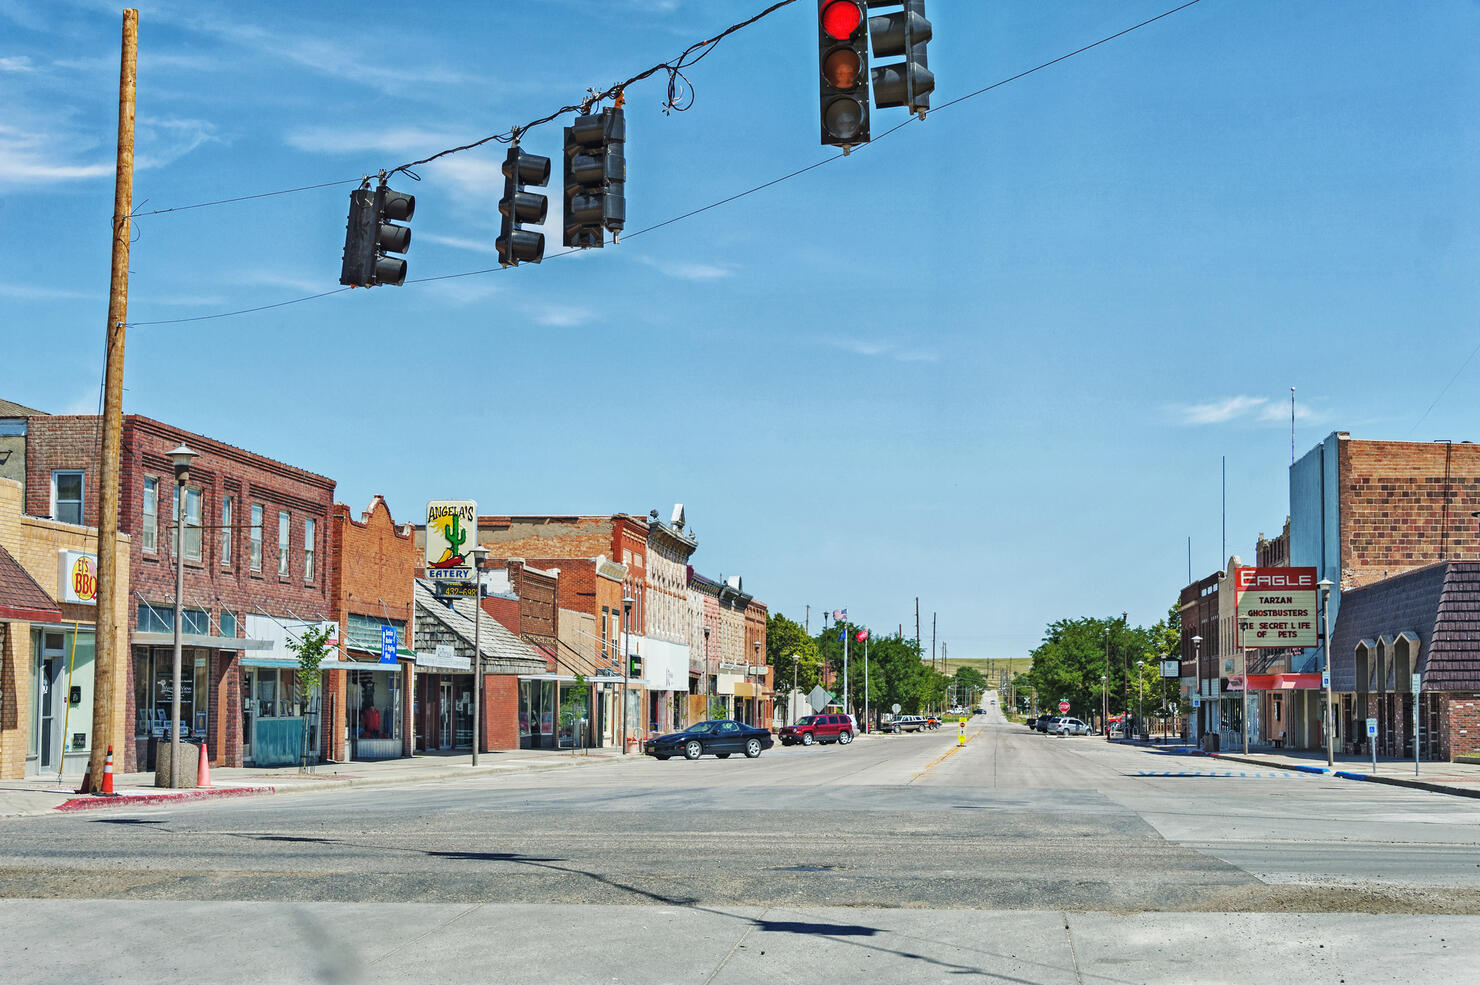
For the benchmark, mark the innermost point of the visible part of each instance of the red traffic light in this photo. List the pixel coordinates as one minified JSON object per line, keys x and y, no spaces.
{"x":840,"y":18}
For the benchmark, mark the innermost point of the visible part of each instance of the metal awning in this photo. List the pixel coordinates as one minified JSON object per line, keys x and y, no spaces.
{"x":193,"y":639}
{"x":280,"y":663}
{"x":430,"y":661}
{"x":374,"y":651}
{"x":390,"y":668}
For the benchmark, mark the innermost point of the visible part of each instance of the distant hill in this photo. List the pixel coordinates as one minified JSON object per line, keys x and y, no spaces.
{"x":992,"y":668}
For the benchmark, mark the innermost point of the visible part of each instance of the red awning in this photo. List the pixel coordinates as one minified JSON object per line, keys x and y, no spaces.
{"x":21,"y":599}
{"x":1277,"y":682}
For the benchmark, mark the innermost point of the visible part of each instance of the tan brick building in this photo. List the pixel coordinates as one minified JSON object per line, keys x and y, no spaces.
{"x":47,"y":643}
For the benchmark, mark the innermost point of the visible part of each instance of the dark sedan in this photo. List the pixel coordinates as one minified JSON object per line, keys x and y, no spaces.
{"x":719,"y":738}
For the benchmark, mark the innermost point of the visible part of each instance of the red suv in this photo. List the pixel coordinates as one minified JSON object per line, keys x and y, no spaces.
{"x":811,"y":729}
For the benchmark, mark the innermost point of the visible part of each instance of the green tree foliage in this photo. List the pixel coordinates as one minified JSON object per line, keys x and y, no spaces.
{"x":895,"y":672}
{"x":788,"y":649}
{"x":1077,"y":653}
{"x":311,"y":648}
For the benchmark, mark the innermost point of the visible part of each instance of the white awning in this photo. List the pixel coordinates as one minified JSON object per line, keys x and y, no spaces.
{"x":431,"y":661}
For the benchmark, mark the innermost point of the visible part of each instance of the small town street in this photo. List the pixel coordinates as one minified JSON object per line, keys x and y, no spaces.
{"x":1018,"y":857}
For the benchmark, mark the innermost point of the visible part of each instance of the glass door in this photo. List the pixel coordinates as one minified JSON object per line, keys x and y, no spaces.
{"x":444,"y":707}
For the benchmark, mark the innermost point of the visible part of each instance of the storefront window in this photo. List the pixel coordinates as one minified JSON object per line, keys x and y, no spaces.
{"x":153,"y":683}
{"x":375,"y":711}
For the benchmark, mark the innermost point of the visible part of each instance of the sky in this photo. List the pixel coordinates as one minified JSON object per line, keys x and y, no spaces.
{"x":995,"y":360}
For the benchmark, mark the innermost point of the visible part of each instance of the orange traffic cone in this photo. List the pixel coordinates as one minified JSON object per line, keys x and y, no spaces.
{"x":108,"y":776}
{"x":203,"y":772}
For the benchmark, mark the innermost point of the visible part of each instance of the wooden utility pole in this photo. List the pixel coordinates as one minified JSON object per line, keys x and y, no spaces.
{"x":932,"y":642}
{"x":110,"y":656}
{"x":917,"y":625}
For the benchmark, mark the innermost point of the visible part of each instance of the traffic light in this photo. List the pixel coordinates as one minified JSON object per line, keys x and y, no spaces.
{"x":515,"y":244}
{"x":369,"y":236}
{"x":842,"y":56}
{"x":903,"y":33}
{"x":595,"y":177}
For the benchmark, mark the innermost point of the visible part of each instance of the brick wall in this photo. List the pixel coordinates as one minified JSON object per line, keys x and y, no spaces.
{"x":538,"y":609}
{"x":501,"y":718}
{"x":1459,"y":721}
{"x":1405,"y":504}
{"x":374,"y":566}
{"x":34,"y":543}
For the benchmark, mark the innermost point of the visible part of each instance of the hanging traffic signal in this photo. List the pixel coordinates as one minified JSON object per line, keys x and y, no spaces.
{"x":369,"y":236}
{"x":842,"y":55}
{"x":595,"y":177}
{"x":516,"y":245}
{"x":903,"y":33}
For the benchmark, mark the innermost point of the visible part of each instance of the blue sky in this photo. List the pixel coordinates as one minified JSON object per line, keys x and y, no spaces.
{"x":993,"y":360}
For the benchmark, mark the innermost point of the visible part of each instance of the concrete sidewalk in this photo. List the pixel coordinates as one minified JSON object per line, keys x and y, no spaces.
{"x":1459,"y":779}
{"x":41,"y":795}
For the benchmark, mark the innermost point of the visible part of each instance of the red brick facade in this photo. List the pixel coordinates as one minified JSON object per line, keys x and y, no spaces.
{"x":374,"y":565}
{"x":222,"y":579}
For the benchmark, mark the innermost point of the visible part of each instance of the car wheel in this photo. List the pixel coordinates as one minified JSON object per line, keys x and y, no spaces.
{"x":807,"y":739}
{"x":693,"y":749}
{"x":844,"y":738}
{"x":661,"y":759}
{"x":721,"y":755}
{"x":752,"y":748}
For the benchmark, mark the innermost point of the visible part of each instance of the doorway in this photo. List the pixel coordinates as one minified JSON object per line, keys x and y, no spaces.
{"x":444,"y":732}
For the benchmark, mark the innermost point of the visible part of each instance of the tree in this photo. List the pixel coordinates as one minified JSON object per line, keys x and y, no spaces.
{"x":311,"y":648}
{"x":968,"y":681}
{"x":793,"y":653}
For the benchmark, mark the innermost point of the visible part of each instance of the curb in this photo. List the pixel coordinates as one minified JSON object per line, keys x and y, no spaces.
{"x":149,"y":799}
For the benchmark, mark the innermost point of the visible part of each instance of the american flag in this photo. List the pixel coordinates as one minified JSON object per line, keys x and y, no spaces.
{"x":839,"y":615}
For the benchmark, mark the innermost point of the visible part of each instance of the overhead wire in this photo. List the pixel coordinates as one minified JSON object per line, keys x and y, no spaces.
{"x":712,"y":205}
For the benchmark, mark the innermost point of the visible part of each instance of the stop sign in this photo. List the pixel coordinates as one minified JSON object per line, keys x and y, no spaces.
{"x":1064,"y":707}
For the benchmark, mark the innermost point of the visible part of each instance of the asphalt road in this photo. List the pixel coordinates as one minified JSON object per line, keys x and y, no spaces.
{"x":814,"y":850}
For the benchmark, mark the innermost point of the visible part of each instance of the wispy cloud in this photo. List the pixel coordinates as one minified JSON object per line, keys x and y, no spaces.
{"x":16,"y":63}
{"x":43,"y":156}
{"x":165,"y":140}
{"x":888,"y":350}
{"x":681,"y":270}
{"x":459,"y":242}
{"x":559,"y":316}
{"x":411,"y":141}
{"x":464,"y":290}
{"x":1263,"y":410}
{"x":34,"y":292}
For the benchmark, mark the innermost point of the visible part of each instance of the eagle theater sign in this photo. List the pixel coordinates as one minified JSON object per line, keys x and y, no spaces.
{"x":1276,"y":607}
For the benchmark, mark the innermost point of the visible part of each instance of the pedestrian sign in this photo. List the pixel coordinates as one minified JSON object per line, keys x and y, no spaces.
{"x":387,"y":644}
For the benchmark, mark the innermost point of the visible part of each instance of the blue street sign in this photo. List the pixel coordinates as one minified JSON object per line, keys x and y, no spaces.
{"x":387,"y":644}
{"x":1196,"y":701}
{"x":1371,"y":728}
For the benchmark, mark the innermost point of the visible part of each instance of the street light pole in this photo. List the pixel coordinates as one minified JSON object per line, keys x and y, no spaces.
{"x":1197,"y":695}
{"x":182,"y":457}
{"x":627,"y":663}
{"x":1325,"y":586}
{"x":754,"y":701}
{"x":478,"y":552}
{"x":1105,"y":704}
{"x":791,"y":701}
{"x":1140,"y":693}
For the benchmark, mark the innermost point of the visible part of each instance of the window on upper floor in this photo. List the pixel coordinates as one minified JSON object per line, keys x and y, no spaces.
{"x":149,"y":530}
{"x":228,"y":504}
{"x":193,"y":498}
{"x":284,"y":533}
{"x":66,"y":496}
{"x":256,"y":537}
{"x":310,"y":528}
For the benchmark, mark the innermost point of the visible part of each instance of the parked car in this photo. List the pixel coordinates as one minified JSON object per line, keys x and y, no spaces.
{"x":932,"y":723}
{"x":1045,"y":722}
{"x":720,"y":737}
{"x":904,"y":723}
{"x":811,"y":729}
{"x":1069,"y":726}
{"x":1031,"y":721}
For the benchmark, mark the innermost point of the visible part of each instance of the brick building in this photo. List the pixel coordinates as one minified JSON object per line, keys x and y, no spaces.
{"x":1365,"y":511}
{"x":48,"y":618}
{"x":256,"y":556}
{"x":704,"y":640}
{"x":1198,"y":604}
{"x":372,"y":575}
{"x":1425,"y":621}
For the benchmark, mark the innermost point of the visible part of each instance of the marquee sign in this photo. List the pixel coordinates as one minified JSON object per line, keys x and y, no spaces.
{"x":1276,"y":607}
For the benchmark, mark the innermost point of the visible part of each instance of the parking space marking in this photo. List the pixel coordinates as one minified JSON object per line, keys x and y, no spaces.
{"x":1257,"y":775}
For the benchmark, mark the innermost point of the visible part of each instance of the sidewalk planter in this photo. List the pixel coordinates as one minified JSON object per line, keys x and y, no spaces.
{"x":189,"y":764}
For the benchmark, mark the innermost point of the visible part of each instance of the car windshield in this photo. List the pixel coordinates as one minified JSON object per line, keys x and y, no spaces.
{"x":807,"y":720}
{"x":702,"y":728}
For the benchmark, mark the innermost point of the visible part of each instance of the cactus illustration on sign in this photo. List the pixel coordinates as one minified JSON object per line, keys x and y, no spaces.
{"x":452,"y":530}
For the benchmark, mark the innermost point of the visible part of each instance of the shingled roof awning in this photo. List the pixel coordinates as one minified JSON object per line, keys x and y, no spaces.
{"x":21,"y":598}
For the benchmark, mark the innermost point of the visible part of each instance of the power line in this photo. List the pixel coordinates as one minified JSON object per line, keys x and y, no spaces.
{"x":1445,"y":390}
{"x":712,"y":205}
{"x":246,"y":198}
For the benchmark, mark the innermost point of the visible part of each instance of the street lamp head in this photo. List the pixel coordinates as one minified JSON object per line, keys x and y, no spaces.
{"x":1197,"y":639}
{"x":182,"y":457}
{"x":627,"y":603}
{"x":1325,"y":584}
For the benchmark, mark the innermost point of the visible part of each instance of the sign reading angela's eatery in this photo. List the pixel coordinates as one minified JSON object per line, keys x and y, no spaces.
{"x":77,"y":577}
{"x":450,"y":524}
{"x":1276,"y":607}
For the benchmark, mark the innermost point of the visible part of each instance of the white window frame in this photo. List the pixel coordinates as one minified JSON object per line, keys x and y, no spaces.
{"x":310,"y":532}
{"x":285,"y":543}
{"x":149,"y":529}
{"x":81,"y":494}
{"x":194,"y":532}
{"x":255,"y":549}
{"x":228,"y":509}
